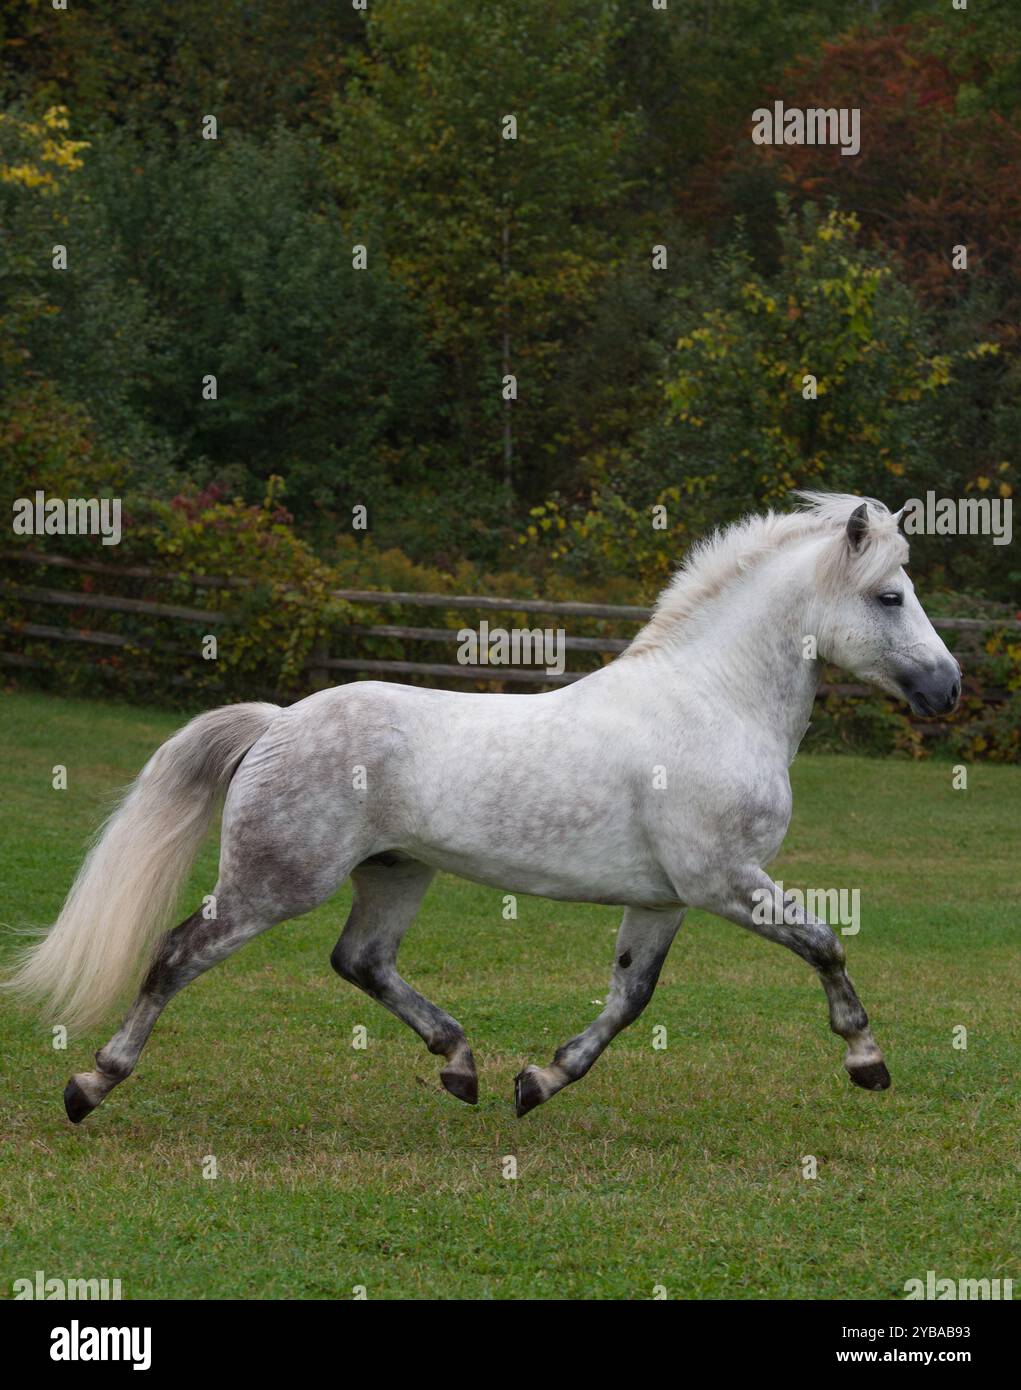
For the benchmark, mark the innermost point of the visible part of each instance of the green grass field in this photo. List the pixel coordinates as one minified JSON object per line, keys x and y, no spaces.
{"x":681,"y":1167}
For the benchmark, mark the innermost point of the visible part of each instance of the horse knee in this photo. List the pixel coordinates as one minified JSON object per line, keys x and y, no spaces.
{"x":633,"y":986}
{"x":824,"y":950}
{"x":360,"y":963}
{"x":344,"y":962}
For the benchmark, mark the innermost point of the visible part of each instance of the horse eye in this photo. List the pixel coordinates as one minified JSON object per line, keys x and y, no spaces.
{"x":891,"y":600}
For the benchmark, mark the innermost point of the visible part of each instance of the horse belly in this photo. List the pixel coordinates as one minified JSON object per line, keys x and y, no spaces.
{"x":584,"y":847}
{"x":577,"y":876}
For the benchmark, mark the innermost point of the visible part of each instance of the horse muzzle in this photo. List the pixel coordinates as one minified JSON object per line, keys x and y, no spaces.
{"x":931,"y":693}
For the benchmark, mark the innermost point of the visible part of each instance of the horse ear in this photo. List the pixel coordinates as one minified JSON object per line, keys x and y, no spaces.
{"x":857,"y":526}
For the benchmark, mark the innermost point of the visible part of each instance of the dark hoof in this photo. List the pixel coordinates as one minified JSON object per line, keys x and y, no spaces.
{"x":873,"y":1076}
{"x":527,"y":1092}
{"x":76,"y":1102}
{"x":463,"y":1084}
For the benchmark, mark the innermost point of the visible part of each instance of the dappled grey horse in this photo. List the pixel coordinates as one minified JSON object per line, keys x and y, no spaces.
{"x":657,"y":783}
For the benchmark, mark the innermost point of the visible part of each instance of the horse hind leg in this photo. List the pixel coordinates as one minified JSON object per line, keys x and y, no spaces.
{"x":268,"y":874}
{"x":387,"y":894}
{"x":643,"y":941}
{"x":184,"y":953}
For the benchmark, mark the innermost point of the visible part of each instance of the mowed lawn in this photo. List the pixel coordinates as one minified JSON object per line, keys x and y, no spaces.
{"x":680,"y":1167}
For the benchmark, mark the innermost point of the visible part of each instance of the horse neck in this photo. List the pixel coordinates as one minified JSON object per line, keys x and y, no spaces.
{"x":747,"y":649}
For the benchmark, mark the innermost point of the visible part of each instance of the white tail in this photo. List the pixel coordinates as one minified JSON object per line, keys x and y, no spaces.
{"x":127,"y":888}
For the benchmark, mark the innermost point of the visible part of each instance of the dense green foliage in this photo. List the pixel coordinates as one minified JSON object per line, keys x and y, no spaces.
{"x":531,"y":256}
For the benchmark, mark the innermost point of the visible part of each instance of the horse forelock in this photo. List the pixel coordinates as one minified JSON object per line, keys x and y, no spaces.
{"x":715,"y":563}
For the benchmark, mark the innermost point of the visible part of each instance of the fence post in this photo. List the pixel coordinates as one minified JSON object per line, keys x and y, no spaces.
{"x":319,"y":676}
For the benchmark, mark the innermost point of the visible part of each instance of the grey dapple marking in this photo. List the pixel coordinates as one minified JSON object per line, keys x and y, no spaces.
{"x":550,"y":794}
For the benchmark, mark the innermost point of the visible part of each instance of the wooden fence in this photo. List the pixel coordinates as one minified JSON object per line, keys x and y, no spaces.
{"x":965,"y":632}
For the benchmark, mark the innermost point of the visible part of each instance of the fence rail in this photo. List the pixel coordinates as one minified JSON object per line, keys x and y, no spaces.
{"x":323,"y":662}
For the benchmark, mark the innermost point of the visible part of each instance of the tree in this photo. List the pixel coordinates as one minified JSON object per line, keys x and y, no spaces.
{"x":936,"y":169}
{"x":504,"y":241}
{"x":161,"y":68}
{"x":244,"y":274}
{"x":822,"y":374}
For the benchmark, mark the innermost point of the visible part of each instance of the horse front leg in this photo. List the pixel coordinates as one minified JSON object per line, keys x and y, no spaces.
{"x":757,"y":903}
{"x":642,"y":944}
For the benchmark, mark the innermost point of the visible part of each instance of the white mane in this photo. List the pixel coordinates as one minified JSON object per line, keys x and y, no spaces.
{"x":714,"y":563}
